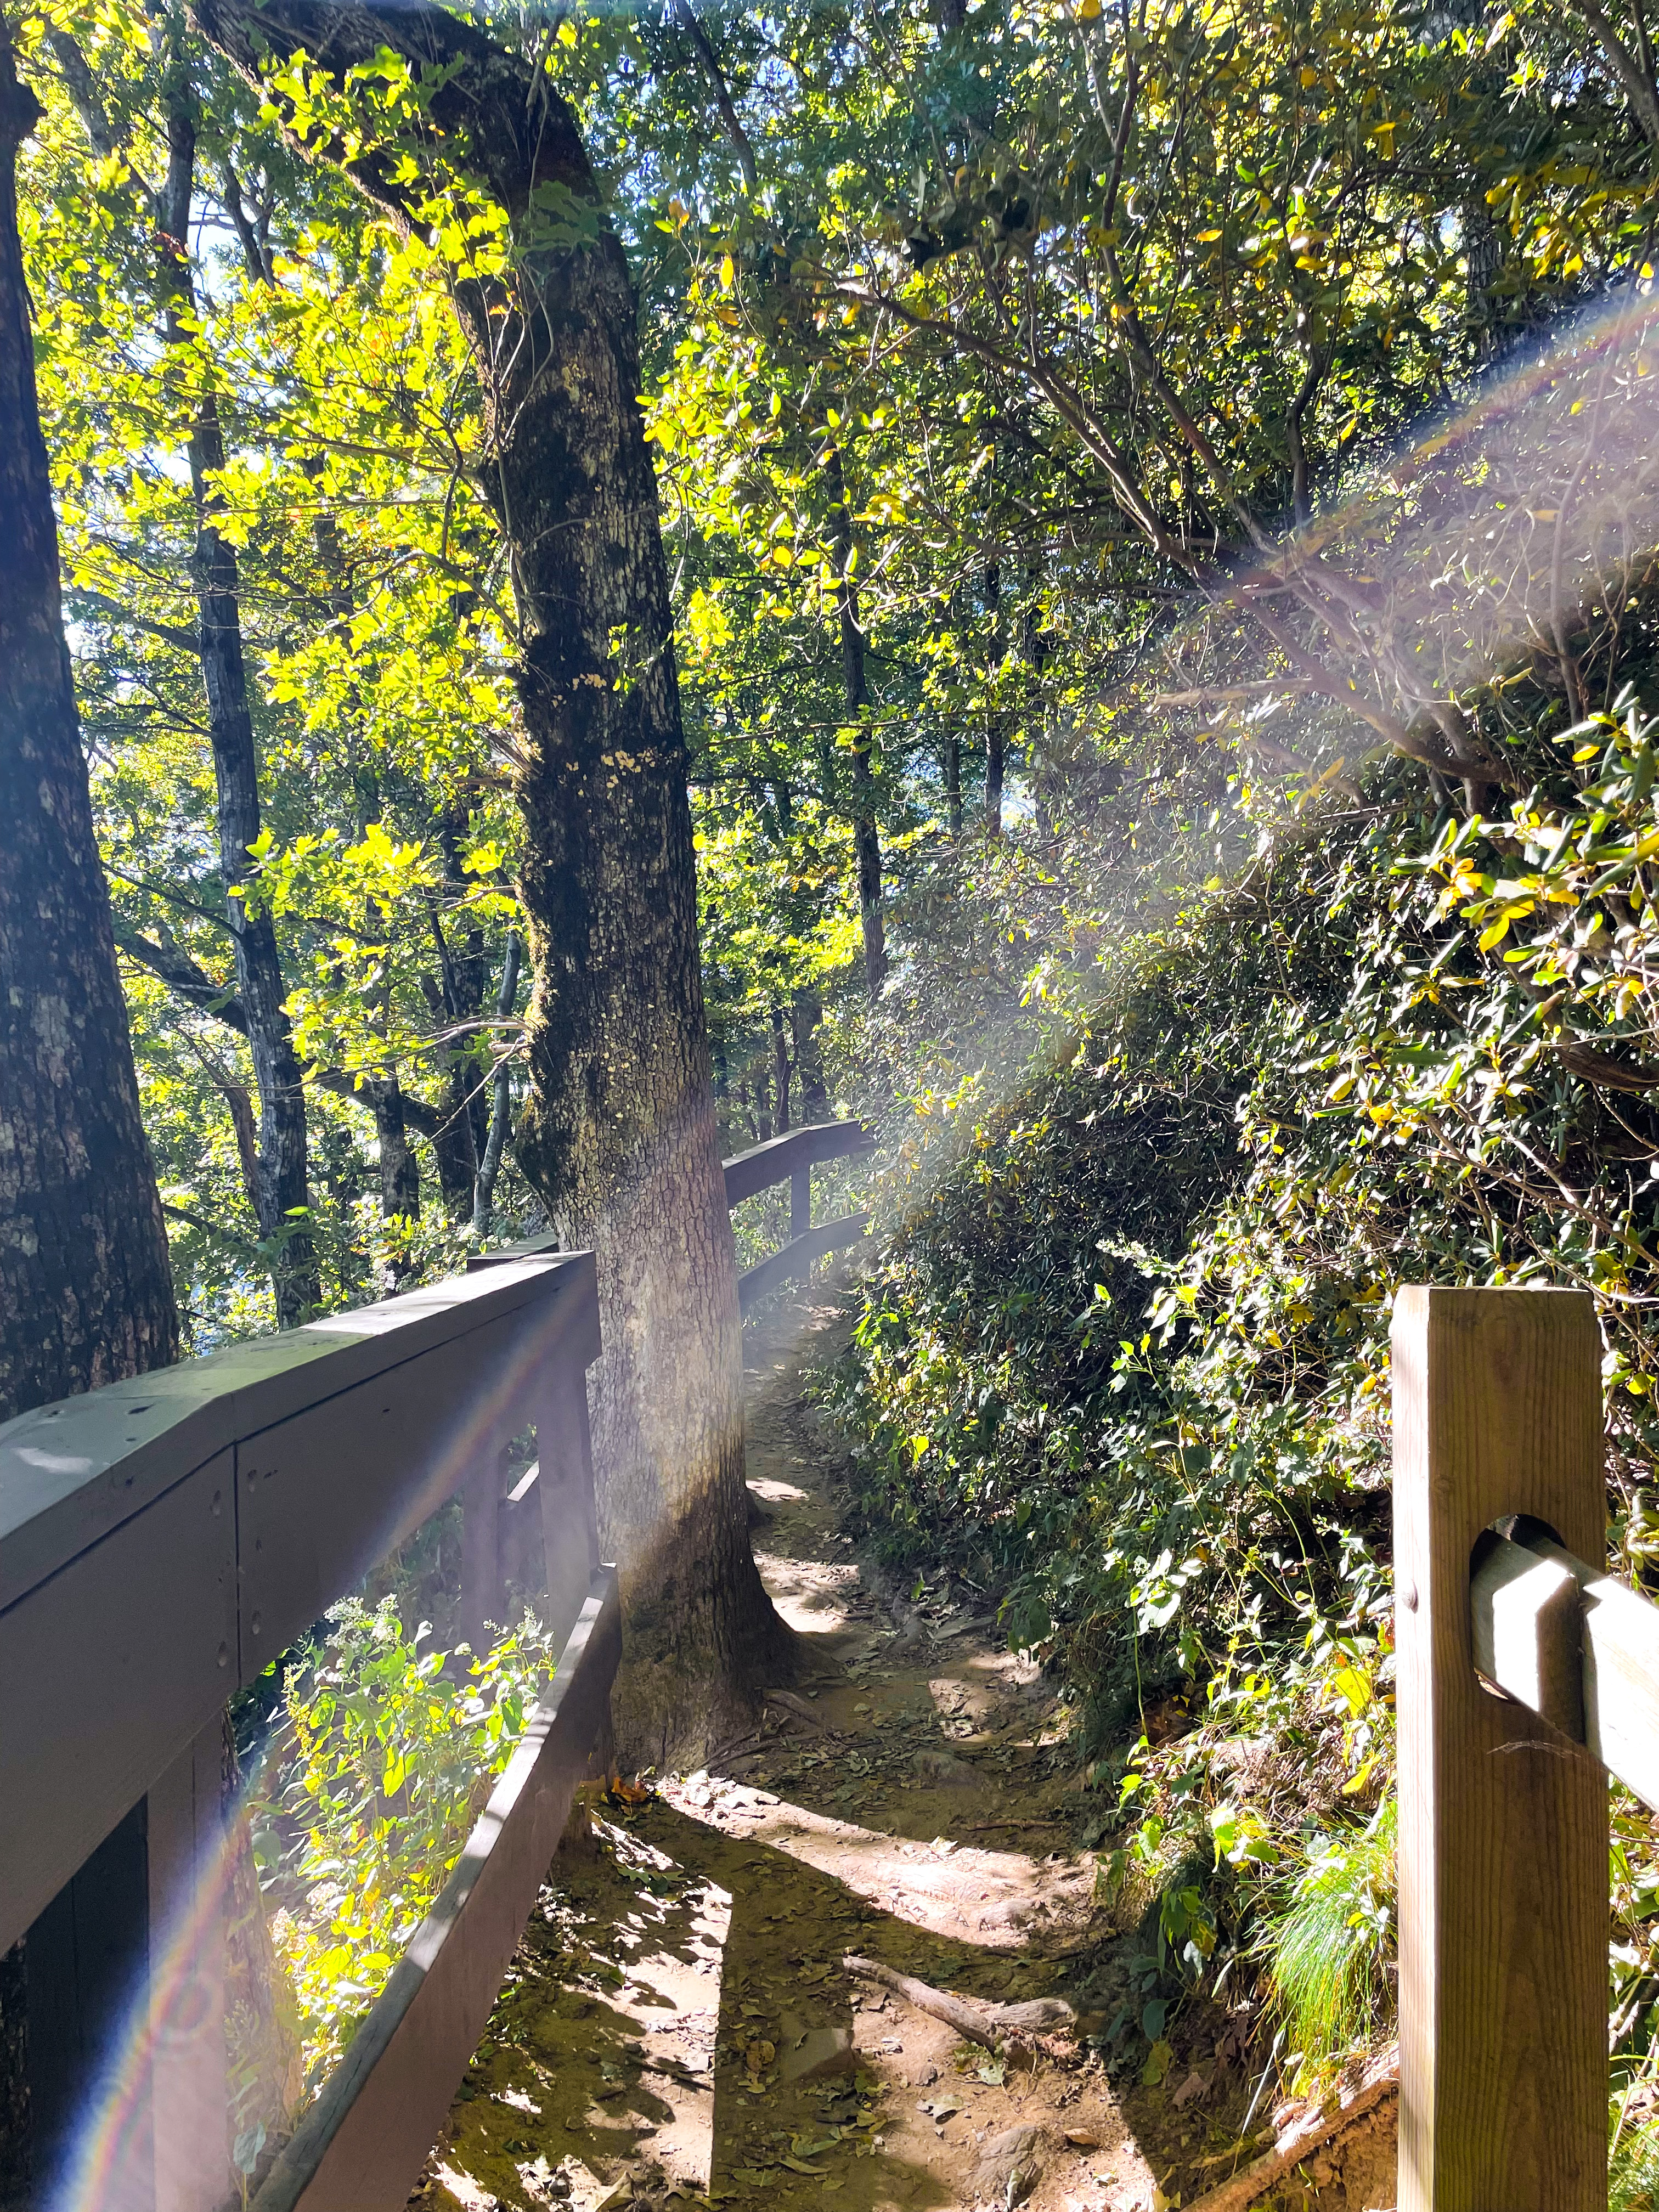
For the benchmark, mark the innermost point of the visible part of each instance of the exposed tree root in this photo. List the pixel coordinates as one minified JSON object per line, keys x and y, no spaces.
{"x":990,"y":2025}
{"x":798,"y":1706}
{"x":1368,"y":2087}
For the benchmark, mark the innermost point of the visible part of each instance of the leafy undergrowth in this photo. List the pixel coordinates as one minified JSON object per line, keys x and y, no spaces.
{"x":1126,"y":1359}
{"x":386,"y":1757}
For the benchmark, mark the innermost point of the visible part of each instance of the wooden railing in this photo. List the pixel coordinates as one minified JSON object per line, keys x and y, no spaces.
{"x":791,"y":1159}
{"x":1500,"y":1503}
{"x":161,"y":1541}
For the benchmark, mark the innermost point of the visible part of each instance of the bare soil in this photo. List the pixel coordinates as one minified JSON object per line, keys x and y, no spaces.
{"x":678,"y":2027}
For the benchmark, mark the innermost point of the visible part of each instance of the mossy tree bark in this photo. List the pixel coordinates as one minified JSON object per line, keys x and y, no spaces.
{"x":619,"y":1135}
{"x":86,"y":1292}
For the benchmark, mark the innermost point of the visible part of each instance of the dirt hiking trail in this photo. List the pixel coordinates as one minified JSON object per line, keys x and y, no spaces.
{"x":678,"y":2027}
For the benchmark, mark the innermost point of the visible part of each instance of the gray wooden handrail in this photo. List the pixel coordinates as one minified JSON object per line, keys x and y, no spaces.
{"x":781,"y":1160}
{"x":791,"y":1159}
{"x":162,"y":1541}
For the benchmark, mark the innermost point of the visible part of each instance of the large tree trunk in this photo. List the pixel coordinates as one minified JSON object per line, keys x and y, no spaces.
{"x":85,"y":1293}
{"x":618,"y":1136}
{"x":282,"y":1190}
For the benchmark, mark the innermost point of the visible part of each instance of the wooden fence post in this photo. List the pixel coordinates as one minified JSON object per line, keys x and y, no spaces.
{"x":1503,"y":1822}
{"x":801,"y":1202}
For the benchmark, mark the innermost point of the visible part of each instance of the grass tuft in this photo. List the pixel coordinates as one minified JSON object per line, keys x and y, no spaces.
{"x":1331,"y":1952}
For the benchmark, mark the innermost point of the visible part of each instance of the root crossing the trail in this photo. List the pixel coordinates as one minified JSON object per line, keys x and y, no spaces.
{"x":856,"y":1961}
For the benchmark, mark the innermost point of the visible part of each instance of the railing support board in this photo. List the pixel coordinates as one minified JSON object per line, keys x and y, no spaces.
{"x":482,"y":1498}
{"x":362,"y":2145}
{"x":84,"y":1963}
{"x":1503,"y":1825}
{"x":564,"y":1448}
{"x":111,"y":1668}
{"x":792,"y":1261}
{"x":189,"y":2091}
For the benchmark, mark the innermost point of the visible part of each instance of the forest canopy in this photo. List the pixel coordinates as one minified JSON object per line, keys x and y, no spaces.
{"x":979,"y":358}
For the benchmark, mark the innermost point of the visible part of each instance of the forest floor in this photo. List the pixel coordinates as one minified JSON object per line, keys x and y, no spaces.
{"x":678,"y":2027}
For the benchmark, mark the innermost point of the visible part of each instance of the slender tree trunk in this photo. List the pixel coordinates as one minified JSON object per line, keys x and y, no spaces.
{"x":995,"y":732}
{"x":284,"y":1197}
{"x":400,"y":1172}
{"x":807,"y":1013}
{"x":618,"y":1136}
{"x":1483,"y":260}
{"x":501,"y":1111}
{"x":764,"y":1131}
{"x":953,"y":785}
{"x":464,"y":1132}
{"x":86,"y":1292}
{"x":866,"y":836}
{"x":781,"y":1070}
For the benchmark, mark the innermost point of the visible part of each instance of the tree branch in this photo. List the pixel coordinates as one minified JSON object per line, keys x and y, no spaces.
{"x":685,"y":15}
{"x":180,"y":973}
{"x":186,"y":641}
{"x":1637,"y":83}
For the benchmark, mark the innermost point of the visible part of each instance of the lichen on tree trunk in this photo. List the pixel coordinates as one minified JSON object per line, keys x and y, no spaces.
{"x":86,"y":1290}
{"x":86,"y":1293}
{"x":618,"y":1136}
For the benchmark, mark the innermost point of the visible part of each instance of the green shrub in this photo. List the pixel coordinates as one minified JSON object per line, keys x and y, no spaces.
{"x":1126,"y":1359}
{"x":387,"y":1755}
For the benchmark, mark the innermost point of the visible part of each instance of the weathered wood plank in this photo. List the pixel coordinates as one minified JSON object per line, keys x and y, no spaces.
{"x":72,"y":1472}
{"x":781,"y":1158}
{"x":791,"y":1262}
{"x":564,"y":1485}
{"x":362,"y":2145}
{"x":1576,"y":1646}
{"x":1503,"y":1825}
